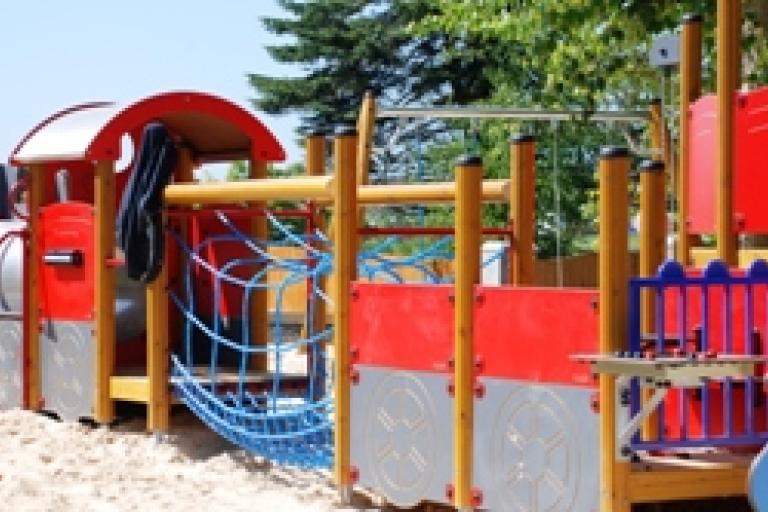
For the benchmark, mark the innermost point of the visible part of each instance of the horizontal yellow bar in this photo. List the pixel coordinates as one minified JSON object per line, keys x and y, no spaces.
{"x":129,"y":388}
{"x":272,"y":189}
{"x":686,"y":484}
{"x":700,"y":256}
{"x":442,"y":192}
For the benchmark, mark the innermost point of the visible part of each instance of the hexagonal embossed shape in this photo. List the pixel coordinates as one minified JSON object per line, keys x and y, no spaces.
{"x":401,"y":433}
{"x":533,"y":448}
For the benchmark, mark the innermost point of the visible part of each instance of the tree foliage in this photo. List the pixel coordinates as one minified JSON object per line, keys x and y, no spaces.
{"x":346,"y":47}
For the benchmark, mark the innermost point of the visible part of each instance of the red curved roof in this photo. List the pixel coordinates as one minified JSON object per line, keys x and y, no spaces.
{"x":215,"y":129}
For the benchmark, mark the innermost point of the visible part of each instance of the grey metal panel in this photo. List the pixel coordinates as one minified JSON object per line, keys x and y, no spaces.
{"x":68,"y":352}
{"x":401,"y":434}
{"x":10,"y":364}
{"x":11,"y":265}
{"x":536,"y":448}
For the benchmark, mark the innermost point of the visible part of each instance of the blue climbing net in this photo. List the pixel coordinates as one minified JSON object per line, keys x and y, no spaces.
{"x":376,"y":262}
{"x":281,"y":415}
{"x":277,"y":419}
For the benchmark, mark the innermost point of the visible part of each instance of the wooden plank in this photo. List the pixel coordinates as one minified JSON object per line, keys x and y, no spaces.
{"x":130,"y":389}
{"x":686,"y":483}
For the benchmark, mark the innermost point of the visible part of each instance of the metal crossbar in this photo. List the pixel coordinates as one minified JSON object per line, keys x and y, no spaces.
{"x":498,"y":112}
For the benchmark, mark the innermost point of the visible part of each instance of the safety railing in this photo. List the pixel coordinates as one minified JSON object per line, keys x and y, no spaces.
{"x":717,"y":312}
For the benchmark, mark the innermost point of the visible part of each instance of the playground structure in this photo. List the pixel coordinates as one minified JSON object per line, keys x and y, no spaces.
{"x":452,"y":392}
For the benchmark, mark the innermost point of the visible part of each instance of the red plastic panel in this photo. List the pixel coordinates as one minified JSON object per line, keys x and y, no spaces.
{"x":749,"y":168}
{"x":530,"y":333}
{"x":66,"y":291}
{"x":218,"y":254}
{"x":702,"y":165}
{"x":404,"y":326}
{"x":750,"y":214}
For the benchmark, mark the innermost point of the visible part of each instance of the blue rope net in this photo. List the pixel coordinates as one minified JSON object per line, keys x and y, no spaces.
{"x":284,"y":419}
{"x":375,"y":262}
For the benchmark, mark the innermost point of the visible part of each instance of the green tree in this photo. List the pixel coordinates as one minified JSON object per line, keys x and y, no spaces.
{"x":581,"y":54}
{"x":346,"y":47}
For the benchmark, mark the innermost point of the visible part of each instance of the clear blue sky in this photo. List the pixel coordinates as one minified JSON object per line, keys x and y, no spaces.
{"x":57,"y":53}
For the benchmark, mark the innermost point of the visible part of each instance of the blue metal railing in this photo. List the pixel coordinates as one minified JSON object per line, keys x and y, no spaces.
{"x":709,"y":300}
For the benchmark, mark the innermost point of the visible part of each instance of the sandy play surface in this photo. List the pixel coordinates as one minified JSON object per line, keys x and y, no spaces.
{"x":46,"y":465}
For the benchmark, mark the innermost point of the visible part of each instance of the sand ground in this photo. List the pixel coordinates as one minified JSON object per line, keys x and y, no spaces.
{"x":47,"y":465}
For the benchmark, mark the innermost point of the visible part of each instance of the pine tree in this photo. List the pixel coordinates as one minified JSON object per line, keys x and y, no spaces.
{"x":346,"y":47}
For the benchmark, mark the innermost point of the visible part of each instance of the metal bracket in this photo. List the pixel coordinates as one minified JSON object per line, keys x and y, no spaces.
{"x":636,"y":422}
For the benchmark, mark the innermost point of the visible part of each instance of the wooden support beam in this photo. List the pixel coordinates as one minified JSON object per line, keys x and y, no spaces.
{"x":671,"y":484}
{"x":31,"y":394}
{"x":690,"y":90}
{"x":522,"y":210}
{"x":104,"y":279}
{"x":259,"y":299}
{"x":158,"y":408}
{"x":345,"y":246}
{"x":269,"y":189}
{"x":492,"y":191}
{"x":469,"y":176}
{"x":728,"y":69}
{"x":316,"y":316}
{"x":366,"y":122}
{"x":653,"y":226}
{"x":613,"y":171}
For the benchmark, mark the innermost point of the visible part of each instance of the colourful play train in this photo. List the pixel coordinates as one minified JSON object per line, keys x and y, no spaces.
{"x":502,"y":397}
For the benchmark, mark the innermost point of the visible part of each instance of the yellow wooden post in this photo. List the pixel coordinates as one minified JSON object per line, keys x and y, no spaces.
{"x":690,"y":90}
{"x":315,"y":166}
{"x":657,"y":130}
{"x":159,"y":322}
{"x":259,"y":299}
{"x":158,"y":407}
{"x":365,"y":126}
{"x":345,"y":245}
{"x":469,"y":176}
{"x":366,"y":123}
{"x":104,"y":279}
{"x":653,"y":225}
{"x":35,"y":194}
{"x":613,"y":170}
{"x":729,"y":56}
{"x":522,"y":209}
